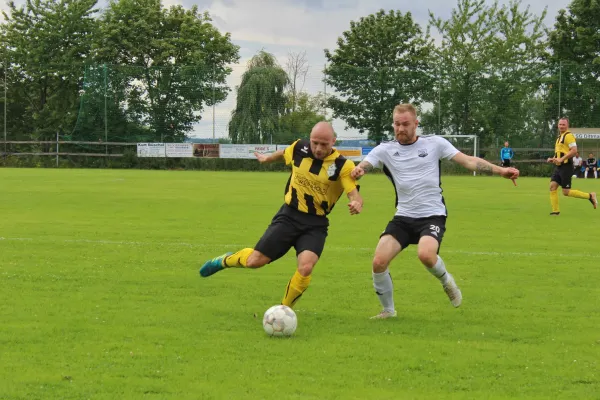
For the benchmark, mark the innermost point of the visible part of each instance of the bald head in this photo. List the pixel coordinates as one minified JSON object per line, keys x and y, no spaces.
{"x":323,"y":129}
{"x":322,"y":139}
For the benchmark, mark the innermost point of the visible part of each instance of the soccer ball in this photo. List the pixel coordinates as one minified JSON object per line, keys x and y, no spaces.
{"x":280,"y":320}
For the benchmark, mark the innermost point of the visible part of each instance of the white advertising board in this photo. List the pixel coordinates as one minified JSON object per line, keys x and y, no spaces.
{"x":150,"y":149}
{"x":245,"y":150}
{"x":179,"y":150}
{"x":587,"y":135}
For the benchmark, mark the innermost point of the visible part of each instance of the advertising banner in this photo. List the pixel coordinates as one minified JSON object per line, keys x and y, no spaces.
{"x":150,"y":149}
{"x":179,"y":150}
{"x":587,"y":135}
{"x":245,"y":150}
{"x":351,"y":153}
{"x":207,"y":150}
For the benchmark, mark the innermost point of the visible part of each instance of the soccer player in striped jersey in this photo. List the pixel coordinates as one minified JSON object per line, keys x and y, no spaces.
{"x":565,"y":148}
{"x":413,"y":165}
{"x":320,"y":175}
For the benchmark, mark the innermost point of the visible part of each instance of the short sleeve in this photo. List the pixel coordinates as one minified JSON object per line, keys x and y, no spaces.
{"x":348,"y":183}
{"x":375,"y":156}
{"x":570,"y":140}
{"x":288,"y":153}
{"x":446,"y":149}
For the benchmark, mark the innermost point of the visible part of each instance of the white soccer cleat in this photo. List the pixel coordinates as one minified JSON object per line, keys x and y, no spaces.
{"x":385,"y":315}
{"x":453,"y":291}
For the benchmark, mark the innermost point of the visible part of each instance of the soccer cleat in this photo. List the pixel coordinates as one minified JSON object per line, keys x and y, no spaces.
{"x":593,"y":199}
{"x":385,"y":315}
{"x":453,"y":291}
{"x":555,"y":213}
{"x":213,"y":266}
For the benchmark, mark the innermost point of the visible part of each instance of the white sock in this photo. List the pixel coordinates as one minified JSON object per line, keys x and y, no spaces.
{"x":439,"y":271}
{"x":382,"y":282}
{"x":596,"y":174}
{"x":585,"y":175}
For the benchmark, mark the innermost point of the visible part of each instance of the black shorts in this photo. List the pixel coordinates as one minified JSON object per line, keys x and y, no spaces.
{"x":408,"y":230}
{"x":291,"y":227}
{"x":562,"y":175}
{"x":506,"y":163}
{"x":591,"y":167}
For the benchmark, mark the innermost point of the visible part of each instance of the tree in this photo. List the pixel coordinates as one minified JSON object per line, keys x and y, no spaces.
{"x":46,"y":43}
{"x":296,"y":67}
{"x":575,"y":63}
{"x":489,"y":72}
{"x":515,"y":75}
{"x":384,"y":59}
{"x":176,"y":64}
{"x":260,"y":102}
{"x":299,"y":122}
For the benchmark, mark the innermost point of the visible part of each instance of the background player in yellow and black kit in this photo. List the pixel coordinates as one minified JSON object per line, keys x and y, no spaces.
{"x":564,"y":150}
{"x":319,"y":177}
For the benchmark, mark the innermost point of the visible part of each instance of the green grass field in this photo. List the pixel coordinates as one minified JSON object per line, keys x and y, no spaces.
{"x":100,"y":296}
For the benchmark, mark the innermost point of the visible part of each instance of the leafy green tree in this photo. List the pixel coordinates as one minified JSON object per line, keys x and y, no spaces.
{"x":298,"y":122}
{"x":515,"y":74}
{"x":45,"y":43}
{"x":260,"y":102}
{"x":575,"y":63}
{"x":462,"y":59}
{"x":489,"y":72}
{"x":176,"y":64}
{"x":382,"y":60}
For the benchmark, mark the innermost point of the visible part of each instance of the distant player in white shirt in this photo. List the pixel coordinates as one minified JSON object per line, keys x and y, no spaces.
{"x":412,"y":163}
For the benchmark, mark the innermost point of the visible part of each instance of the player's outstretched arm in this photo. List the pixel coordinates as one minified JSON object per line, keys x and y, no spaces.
{"x":362,"y":168}
{"x":267,"y":158}
{"x":480,"y":165}
{"x":356,"y":202}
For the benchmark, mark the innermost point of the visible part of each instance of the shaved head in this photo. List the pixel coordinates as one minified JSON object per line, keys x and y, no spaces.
{"x":322,"y":139}
{"x":323,"y":129}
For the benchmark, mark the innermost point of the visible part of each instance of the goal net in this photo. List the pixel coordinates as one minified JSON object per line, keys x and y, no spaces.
{"x":465,"y":143}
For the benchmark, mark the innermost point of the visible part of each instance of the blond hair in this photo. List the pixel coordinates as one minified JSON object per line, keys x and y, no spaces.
{"x":402,"y":108}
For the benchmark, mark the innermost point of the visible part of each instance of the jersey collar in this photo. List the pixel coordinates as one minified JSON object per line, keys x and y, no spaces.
{"x":408,"y":144}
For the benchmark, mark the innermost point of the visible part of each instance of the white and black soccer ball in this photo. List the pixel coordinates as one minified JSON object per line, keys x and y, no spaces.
{"x":280,"y":320}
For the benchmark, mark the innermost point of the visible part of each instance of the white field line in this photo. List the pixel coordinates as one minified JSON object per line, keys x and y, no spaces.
{"x":340,"y":248}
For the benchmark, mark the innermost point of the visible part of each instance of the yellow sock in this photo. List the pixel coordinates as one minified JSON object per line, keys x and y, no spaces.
{"x":296,"y":286}
{"x":578,"y":194}
{"x":554,"y":200}
{"x":238,"y":260}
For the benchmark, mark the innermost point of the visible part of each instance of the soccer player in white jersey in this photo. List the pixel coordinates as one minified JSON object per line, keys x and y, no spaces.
{"x":412,"y":163}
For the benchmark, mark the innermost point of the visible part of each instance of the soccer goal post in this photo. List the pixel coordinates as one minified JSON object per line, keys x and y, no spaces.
{"x":465,"y":143}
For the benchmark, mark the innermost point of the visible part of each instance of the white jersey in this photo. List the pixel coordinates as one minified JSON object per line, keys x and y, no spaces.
{"x":414,"y":169}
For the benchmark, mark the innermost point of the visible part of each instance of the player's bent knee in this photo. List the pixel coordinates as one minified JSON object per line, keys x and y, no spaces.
{"x":257,"y":260}
{"x":428,"y":258}
{"x":380,"y":264}
{"x":305,"y":269}
{"x":565,"y":192}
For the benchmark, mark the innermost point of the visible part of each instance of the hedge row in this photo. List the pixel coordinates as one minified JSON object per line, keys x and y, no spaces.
{"x":131,"y":161}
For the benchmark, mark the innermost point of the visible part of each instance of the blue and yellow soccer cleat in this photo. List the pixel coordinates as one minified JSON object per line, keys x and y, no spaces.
{"x":213,"y":266}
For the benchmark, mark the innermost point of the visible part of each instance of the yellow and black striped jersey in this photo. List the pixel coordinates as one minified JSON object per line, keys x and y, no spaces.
{"x":316,"y":185}
{"x":563,"y":144}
